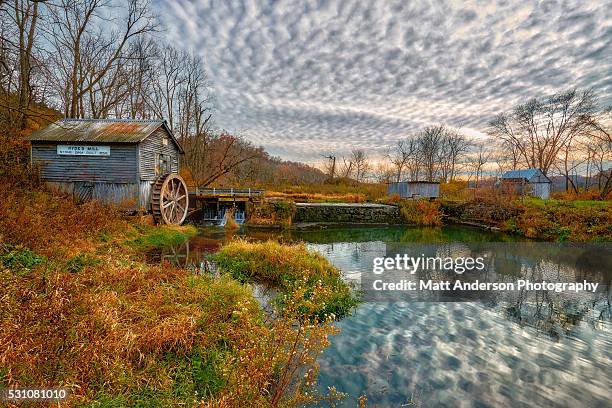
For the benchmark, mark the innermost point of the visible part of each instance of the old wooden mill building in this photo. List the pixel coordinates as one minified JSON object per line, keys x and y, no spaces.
{"x":131,"y":163}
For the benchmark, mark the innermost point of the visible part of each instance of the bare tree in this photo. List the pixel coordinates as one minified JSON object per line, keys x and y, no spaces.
{"x":479,"y":160}
{"x":330,"y":166}
{"x":25,"y":15}
{"x":383,"y":173}
{"x":504,"y":158}
{"x":430,"y":143}
{"x":209,"y":157}
{"x":84,"y":53}
{"x":361,"y":164}
{"x":346,"y":168}
{"x":541,"y":128}
{"x":400,"y":155}
{"x":601,"y":160}
{"x":453,"y":146}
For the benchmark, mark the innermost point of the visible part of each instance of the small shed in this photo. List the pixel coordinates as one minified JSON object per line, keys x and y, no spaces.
{"x":527,"y":182}
{"x":116,"y":161}
{"x":414,"y":189}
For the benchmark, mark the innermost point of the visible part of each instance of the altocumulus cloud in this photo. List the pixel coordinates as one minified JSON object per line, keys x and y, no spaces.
{"x":306,"y":77}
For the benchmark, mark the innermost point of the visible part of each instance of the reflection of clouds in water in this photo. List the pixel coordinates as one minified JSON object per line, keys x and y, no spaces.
{"x":507,"y":352}
{"x":352,"y":258}
{"x":459,"y":352}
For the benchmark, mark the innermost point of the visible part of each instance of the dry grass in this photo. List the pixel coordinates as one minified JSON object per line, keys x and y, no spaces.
{"x":558,"y":220}
{"x":90,"y":315}
{"x":342,"y":191}
{"x":318,"y":197}
{"x":49,"y":223}
{"x":581,"y":195}
{"x":553,"y":220}
{"x":421,"y":212}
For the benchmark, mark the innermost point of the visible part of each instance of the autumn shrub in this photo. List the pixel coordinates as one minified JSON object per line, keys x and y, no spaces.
{"x":454,"y":190}
{"x":565,"y":220}
{"x":393,"y":199}
{"x":272,"y":213}
{"x":421,"y":212}
{"x":291,"y":268}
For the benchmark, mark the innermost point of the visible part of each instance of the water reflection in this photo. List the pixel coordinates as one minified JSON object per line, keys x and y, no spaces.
{"x":503,"y":349}
{"x":529,"y":349}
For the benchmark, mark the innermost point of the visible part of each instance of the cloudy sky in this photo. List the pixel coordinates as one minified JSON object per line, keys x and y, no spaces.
{"x":304,"y":78}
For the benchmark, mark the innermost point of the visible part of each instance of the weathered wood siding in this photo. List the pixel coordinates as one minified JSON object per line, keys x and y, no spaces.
{"x":124,"y":195}
{"x":414,"y":190}
{"x":541,"y":190}
{"x":150,"y":148}
{"x":120,"y":167}
{"x":145,"y":187}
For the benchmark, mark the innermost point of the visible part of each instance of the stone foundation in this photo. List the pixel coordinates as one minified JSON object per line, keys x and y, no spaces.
{"x":347,"y":213}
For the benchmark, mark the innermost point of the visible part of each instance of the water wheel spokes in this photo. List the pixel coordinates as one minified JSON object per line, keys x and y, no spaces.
{"x":170,"y":200}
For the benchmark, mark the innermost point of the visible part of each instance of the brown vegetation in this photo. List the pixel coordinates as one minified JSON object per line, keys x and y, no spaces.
{"x":534,"y":218}
{"x":421,"y":212}
{"x":271,"y":214}
{"x":80,"y":309}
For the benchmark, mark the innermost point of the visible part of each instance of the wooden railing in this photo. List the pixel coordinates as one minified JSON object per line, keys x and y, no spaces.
{"x":232,"y":192}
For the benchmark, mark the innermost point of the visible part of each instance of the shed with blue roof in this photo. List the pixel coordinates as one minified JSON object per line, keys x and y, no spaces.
{"x":527,"y":182}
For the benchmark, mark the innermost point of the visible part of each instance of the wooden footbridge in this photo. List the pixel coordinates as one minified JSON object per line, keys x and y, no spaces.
{"x":237,"y":194}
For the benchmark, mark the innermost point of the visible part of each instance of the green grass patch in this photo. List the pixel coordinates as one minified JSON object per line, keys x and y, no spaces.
{"x":293,"y":269}
{"x":198,"y":374}
{"x":79,"y":262}
{"x":18,"y":259}
{"x":157,"y":237}
{"x":552,"y":203}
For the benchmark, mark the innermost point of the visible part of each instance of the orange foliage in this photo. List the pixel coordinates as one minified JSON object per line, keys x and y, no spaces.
{"x":456,"y":189}
{"x":421,"y":212}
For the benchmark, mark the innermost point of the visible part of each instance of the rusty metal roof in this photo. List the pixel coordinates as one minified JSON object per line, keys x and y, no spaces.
{"x":100,"y":130}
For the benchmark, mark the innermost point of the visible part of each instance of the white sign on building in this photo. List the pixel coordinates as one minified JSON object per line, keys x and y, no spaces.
{"x":75,"y":150}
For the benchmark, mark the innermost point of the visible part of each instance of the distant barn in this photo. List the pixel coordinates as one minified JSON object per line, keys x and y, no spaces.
{"x":414,"y":189}
{"x":527,"y":182}
{"x":115,"y":161}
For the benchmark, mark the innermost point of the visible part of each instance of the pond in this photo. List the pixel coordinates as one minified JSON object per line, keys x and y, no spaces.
{"x":500,"y":349}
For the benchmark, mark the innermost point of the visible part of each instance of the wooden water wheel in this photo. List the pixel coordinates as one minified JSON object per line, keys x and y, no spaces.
{"x":170,"y":200}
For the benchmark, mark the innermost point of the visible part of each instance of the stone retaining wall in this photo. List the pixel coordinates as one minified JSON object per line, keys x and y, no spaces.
{"x":347,"y":213}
